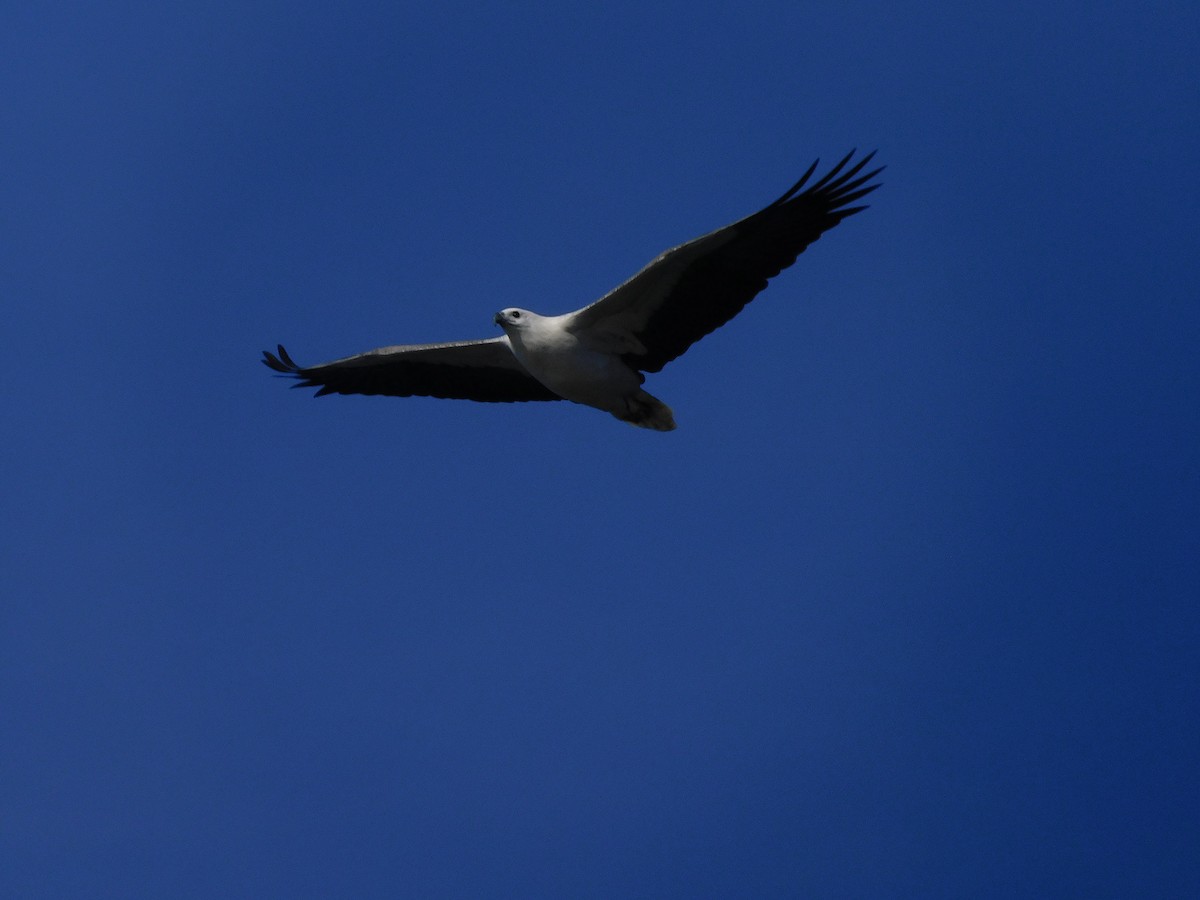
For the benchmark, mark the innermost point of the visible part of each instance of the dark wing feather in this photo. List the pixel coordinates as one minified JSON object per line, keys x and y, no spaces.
{"x":697,"y":287}
{"x":469,"y":370}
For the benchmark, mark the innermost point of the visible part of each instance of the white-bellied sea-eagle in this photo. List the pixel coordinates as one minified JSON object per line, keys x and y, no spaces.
{"x":597,"y":355}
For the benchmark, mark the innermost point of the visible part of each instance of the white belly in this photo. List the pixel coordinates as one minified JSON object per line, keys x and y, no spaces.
{"x":576,"y":372}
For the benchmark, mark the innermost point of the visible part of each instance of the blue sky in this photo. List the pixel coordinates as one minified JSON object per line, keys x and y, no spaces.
{"x":906,"y":607}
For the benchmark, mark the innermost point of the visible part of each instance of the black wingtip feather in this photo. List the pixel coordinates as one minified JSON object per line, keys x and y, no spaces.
{"x":832,"y":173}
{"x":282,"y":363}
{"x":855,"y":195}
{"x":846,"y":187}
{"x":849,"y":211}
{"x":846,"y":178}
{"x":837,"y":186}
{"x":791,"y":192}
{"x":285,"y":365}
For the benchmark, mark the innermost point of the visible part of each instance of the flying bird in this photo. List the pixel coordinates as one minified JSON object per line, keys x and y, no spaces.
{"x":598,"y":355}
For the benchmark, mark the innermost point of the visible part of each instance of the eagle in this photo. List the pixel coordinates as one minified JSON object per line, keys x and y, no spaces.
{"x":599,"y":355}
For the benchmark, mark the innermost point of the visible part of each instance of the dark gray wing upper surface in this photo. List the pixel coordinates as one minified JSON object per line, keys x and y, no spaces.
{"x":467,"y":370}
{"x":697,"y":287}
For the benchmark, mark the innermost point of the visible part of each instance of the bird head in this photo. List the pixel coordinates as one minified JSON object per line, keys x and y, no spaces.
{"x":513,"y":318}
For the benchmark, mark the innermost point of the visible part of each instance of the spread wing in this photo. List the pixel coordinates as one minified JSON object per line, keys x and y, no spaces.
{"x":695,"y":288}
{"x":468,"y":370}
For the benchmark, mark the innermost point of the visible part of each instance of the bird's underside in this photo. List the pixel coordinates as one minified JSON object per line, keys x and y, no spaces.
{"x":597,"y":354}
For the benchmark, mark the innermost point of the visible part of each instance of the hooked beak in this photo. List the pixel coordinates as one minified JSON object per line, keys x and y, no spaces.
{"x":498,"y":319}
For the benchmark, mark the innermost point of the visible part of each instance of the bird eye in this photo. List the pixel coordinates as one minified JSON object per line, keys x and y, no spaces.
{"x":516,"y":314}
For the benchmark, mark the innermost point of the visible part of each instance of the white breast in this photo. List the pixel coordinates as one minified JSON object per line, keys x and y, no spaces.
{"x":558,"y":359}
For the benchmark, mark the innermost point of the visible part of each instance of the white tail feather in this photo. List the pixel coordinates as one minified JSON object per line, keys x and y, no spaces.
{"x":645,"y":411}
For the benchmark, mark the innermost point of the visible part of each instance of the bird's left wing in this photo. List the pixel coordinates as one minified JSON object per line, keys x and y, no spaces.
{"x":697,"y":287}
{"x":467,"y":370}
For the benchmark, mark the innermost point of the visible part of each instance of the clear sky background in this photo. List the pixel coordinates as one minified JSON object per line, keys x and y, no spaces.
{"x":906,"y":607}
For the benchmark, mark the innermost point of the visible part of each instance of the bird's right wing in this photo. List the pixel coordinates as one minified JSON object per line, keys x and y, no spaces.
{"x":467,"y":370}
{"x":698,"y":286}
